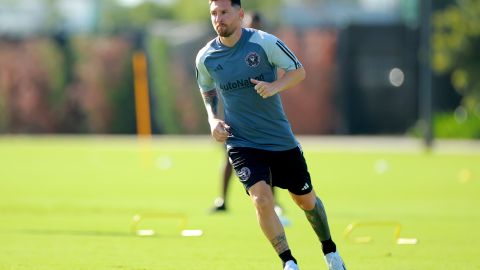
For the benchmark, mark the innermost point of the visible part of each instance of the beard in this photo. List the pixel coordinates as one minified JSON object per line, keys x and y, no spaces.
{"x":224,"y":31}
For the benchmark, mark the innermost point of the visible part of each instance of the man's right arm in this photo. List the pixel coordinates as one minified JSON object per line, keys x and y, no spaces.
{"x":210,"y":98}
{"x":218,"y":128}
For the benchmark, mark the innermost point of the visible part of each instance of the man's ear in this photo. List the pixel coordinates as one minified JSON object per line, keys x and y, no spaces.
{"x":242,"y":13}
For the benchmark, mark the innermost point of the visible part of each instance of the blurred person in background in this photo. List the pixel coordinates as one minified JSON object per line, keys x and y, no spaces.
{"x":241,"y":65}
{"x":254,"y":20}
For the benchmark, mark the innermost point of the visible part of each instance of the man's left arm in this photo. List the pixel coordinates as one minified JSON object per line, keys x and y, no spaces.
{"x":279,"y":56}
{"x":290,"y":79}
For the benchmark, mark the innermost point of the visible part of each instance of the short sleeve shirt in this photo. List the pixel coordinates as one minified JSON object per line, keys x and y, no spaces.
{"x":255,"y":122}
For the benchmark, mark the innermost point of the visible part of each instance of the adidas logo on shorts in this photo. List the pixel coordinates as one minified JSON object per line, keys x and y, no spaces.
{"x":306,"y":186}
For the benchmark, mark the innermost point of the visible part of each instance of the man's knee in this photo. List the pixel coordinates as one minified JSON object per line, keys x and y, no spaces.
{"x":262,"y":201}
{"x":262,"y":196}
{"x":305,"y":202}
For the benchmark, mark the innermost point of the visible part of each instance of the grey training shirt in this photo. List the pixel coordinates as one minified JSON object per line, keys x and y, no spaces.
{"x":255,"y":122}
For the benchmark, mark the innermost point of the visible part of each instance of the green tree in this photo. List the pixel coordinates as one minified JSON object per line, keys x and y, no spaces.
{"x":197,"y":10}
{"x":191,"y":10}
{"x":456,"y":49}
{"x":113,"y":17}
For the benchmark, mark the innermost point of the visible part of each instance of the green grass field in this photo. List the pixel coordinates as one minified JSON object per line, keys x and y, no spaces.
{"x":68,"y":203}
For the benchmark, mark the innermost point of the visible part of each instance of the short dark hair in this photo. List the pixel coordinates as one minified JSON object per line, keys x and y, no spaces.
{"x":234,"y":2}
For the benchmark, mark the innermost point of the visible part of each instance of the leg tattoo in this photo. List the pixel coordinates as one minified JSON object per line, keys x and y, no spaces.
{"x":318,"y":219}
{"x":279,"y":243}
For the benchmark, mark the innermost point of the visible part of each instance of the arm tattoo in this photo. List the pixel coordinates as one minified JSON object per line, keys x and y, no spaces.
{"x":210,"y":99}
{"x":279,"y":243}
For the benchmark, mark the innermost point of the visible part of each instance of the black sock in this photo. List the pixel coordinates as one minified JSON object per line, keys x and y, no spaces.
{"x":328,"y":246}
{"x":287,"y":256}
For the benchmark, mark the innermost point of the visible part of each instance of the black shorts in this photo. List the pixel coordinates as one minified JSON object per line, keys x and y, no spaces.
{"x":283,"y":169}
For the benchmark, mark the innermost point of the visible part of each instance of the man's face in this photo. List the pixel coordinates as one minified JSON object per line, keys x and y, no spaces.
{"x":226,"y":19}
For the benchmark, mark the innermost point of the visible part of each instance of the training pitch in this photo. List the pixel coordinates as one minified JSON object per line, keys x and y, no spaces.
{"x":118,"y":203}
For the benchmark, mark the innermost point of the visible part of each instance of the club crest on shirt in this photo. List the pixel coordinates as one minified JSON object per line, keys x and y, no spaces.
{"x":252,"y":59}
{"x":244,"y":174}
